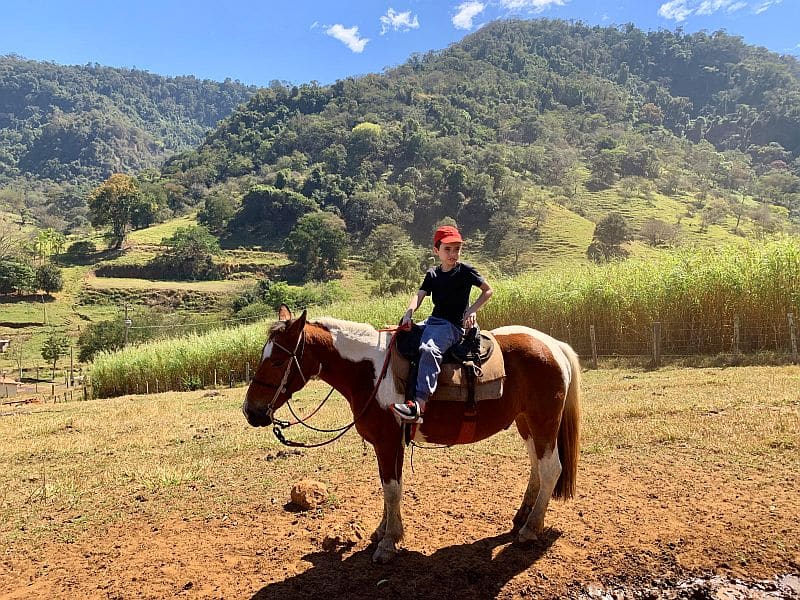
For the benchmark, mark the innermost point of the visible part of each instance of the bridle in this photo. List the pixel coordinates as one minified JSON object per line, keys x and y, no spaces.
{"x":294,"y":359}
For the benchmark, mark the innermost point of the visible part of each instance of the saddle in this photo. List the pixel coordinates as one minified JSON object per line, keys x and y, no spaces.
{"x":471,"y":370}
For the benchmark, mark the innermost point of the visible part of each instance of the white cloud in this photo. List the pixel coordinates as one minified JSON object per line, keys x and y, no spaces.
{"x":396,"y":21}
{"x":348,"y":36}
{"x":765,"y":5}
{"x":531,"y":5}
{"x":467,"y":11}
{"x":709,"y":7}
{"x":679,"y":10}
{"x":675,"y":9}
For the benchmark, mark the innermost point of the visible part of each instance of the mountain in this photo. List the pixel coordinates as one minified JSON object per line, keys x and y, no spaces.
{"x":518,"y":114}
{"x":79,"y":124}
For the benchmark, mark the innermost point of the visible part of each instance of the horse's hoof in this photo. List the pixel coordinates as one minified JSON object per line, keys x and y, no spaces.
{"x":526,"y":536}
{"x":384,"y":555}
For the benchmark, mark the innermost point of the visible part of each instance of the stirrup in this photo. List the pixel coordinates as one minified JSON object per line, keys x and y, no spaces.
{"x":408,"y":412}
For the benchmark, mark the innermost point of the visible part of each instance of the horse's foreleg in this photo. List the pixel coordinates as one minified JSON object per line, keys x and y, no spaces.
{"x":548,"y":468}
{"x":390,"y":530}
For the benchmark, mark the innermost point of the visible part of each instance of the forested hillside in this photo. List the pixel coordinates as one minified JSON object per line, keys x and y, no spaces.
{"x":65,"y":128}
{"x":514,"y":118}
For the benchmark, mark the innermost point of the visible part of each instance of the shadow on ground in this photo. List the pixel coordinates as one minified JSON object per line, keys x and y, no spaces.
{"x":466,"y":571}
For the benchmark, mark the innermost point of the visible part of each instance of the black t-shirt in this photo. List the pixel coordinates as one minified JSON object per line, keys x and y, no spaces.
{"x":449,"y":290}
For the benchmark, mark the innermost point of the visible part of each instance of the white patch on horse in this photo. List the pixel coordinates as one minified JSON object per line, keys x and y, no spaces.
{"x":554,"y":345}
{"x":359,"y":341}
{"x":267,"y":351}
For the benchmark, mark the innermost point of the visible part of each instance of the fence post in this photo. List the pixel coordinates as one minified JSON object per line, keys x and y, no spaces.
{"x":792,"y":337}
{"x":215,"y":379}
{"x":247,"y":372}
{"x":147,"y":387}
{"x":230,"y":379}
{"x":736,"y":335}
{"x":656,"y":344}
{"x":594,"y":346}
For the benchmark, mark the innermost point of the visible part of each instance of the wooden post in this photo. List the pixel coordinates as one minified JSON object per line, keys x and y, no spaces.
{"x":736,"y":335}
{"x":793,"y":337}
{"x":147,"y":387}
{"x":230,"y":379}
{"x":215,"y":379}
{"x":156,"y":386}
{"x":594,"y":346}
{"x":247,"y":372}
{"x":127,"y":326}
{"x":36,"y":385}
{"x":656,"y":344}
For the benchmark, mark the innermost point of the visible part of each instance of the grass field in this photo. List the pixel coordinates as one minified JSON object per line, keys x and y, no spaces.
{"x":69,"y":468}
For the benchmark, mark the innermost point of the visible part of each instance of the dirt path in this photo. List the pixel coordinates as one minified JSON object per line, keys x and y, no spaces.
{"x":632,"y":526}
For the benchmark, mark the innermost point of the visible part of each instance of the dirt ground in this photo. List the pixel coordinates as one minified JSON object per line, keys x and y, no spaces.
{"x":631,"y":527}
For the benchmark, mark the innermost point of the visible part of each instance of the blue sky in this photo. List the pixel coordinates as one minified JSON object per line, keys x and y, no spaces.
{"x":300,"y":41}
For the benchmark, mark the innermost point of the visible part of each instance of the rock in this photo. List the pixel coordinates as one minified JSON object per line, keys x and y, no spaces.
{"x":308,"y":494}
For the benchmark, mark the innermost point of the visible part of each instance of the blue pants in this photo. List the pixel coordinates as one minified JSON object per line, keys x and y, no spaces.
{"x":437,"y":338}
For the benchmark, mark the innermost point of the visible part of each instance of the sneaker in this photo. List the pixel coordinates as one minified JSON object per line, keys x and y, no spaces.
{"x":409,"y":412}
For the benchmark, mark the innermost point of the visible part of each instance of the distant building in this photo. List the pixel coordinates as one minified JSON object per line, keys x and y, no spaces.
{"x":8,"y":388}
{"x":4,"y":344}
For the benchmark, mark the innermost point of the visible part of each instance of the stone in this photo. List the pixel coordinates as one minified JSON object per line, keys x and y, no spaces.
{"x":308,"y":494}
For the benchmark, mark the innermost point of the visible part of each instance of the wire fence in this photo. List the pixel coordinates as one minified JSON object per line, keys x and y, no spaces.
{"x":660,"y":340}
{"x":652,"y":344}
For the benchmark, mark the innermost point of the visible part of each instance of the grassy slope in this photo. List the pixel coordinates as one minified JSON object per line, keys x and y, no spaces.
{"x":564,"y":238}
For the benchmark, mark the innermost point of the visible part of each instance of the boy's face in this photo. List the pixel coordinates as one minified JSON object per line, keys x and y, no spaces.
{"x":449,"y":254}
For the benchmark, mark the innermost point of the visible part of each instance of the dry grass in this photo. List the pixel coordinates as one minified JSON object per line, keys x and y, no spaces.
{"x":69,"y":468}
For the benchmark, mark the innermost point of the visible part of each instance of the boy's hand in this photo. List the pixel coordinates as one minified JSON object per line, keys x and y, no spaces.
{"x":405,"y":322}
{"x":469,"y":320}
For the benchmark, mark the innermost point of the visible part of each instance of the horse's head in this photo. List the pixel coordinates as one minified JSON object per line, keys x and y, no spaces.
{"x":283,"y":370}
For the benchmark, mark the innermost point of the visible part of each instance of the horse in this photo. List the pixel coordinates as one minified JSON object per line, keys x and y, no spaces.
{"x":541,"y":395}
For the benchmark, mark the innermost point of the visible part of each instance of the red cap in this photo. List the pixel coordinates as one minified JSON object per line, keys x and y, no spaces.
{"x":446,"y":234}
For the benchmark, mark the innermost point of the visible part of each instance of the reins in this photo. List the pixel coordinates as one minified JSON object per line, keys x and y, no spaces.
{"x":278,"y":426}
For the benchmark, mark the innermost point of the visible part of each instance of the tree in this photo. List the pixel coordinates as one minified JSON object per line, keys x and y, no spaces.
{"x":49,"y":278}
{"x":16,"y":276}
{"x":609,"y":235}
{"x":658,"y":232}
{"x":101,"y":336}
{"x":115,"y":202}
{"x":271,"y":211}
{"x":219,"y":208}
{"x":318,"y":245}
{"x":54,"y":347}
{"x":612,"y":229}
{"x":190,"y":254}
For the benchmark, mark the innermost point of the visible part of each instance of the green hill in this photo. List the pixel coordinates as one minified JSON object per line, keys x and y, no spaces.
{"x":689,"y":129}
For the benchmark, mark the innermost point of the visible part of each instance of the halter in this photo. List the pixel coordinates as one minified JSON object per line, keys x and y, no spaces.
{"x":279,"y":425}
{"x":294,"y":360}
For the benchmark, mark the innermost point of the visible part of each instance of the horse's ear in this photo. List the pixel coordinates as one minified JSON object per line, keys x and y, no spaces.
{"x":284,"y":314}
{"x":302,"y":319}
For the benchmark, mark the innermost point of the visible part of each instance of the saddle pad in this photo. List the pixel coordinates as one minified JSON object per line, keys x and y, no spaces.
{"x":452,"y":385}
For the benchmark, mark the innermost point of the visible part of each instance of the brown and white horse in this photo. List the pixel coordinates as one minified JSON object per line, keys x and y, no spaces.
{"x":541,"y":395}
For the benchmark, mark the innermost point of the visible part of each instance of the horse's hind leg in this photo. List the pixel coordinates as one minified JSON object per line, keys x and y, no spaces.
{"x":545,"y":469}
{"x":532,"y":491}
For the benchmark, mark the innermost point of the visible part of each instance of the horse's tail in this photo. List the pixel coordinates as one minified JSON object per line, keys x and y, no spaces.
{"x":569,"y":431}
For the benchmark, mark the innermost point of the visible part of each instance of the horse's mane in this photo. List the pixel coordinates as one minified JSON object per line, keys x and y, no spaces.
{"x":350,"y":329}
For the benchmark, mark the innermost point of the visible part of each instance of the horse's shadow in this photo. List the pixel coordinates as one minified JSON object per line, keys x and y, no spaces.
{"x":464,"y":571}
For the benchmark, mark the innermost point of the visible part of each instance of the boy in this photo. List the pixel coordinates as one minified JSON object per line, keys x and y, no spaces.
{"x":449,"y":285}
